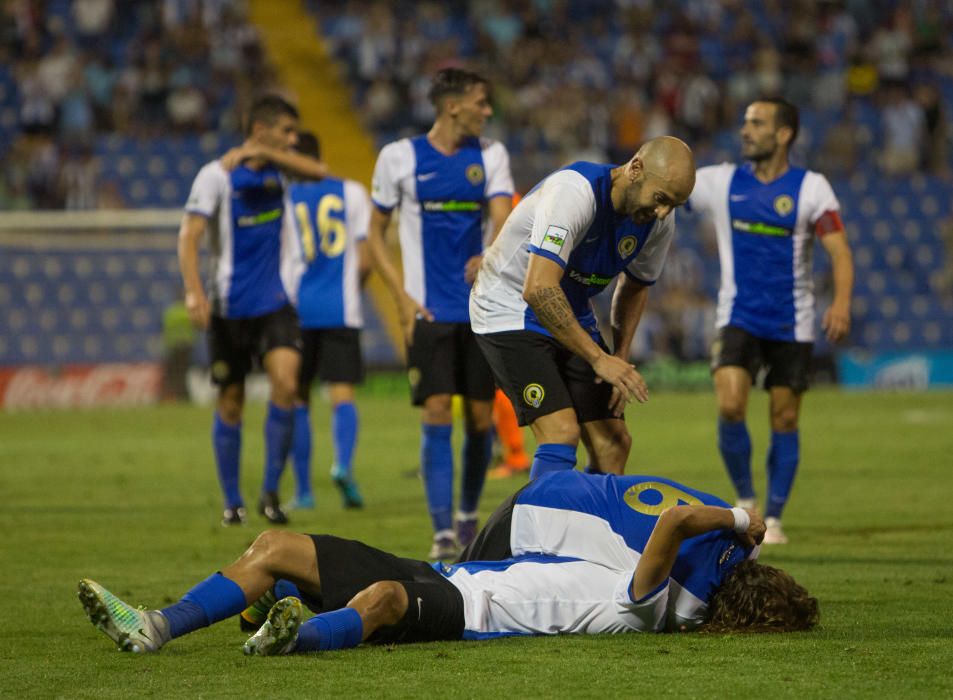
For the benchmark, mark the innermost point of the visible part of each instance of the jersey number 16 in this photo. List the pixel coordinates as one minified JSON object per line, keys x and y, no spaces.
{"x":331,"y":229}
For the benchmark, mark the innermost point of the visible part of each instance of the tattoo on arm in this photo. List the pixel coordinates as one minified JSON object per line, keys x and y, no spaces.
{"x":552,"y":308}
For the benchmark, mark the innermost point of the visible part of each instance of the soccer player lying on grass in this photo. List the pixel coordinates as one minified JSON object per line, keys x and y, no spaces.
{"x":362,"y":593}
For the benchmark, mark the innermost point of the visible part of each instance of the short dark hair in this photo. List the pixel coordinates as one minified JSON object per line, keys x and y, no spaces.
{"x":267,"y":109}
{"x":785,"y":114}
{"x":308,"y":144}
{"x":760,"y":598}
{"x":452,"y":82}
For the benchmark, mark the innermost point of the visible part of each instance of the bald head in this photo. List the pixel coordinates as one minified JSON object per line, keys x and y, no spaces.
{"x":671,"y":160}
{"x":658,"y":179}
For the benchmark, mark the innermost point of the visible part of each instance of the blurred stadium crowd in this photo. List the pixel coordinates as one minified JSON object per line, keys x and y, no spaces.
{"x":116,"y":104}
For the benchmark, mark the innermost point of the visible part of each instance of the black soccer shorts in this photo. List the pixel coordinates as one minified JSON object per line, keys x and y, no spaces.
{"x":333,"y":355}
{"x":787,"y":363}
{"x":540,"y":376}
{"x":235,"y":343}
{"x":346,"y":567}
{"x":444,"y":359}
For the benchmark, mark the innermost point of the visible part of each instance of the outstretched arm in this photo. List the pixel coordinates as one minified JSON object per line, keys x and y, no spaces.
{"x":676,"y":525}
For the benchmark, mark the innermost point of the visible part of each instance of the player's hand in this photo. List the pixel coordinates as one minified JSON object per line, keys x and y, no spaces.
{"x":234,"y":157}
{"x":755,"y":532}
{"x":837,"y":322}
{"x":472,"y":269}
{"x":626,"y":382}
{"x":409,"y":311}
{"x":196,"y":304}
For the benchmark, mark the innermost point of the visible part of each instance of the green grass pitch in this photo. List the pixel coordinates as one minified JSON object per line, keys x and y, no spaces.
{"x":129,"y":498}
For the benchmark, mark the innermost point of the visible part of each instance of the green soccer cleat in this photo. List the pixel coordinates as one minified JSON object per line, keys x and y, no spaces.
{"x":254,"y":616}
{"x":131,"y":629}
{"x":279,"y":634}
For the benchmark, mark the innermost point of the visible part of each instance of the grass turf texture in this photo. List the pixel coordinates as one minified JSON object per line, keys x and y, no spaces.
{"x":129,"y":498}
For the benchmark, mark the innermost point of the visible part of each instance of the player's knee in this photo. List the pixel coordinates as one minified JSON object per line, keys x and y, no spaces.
{"x":731,"y":408}
{"x":268,"y":546}
{"x":479,"y":421}
{"x":284,"y":389}
{"x":438,"y":410}
{"x":784,"y":420}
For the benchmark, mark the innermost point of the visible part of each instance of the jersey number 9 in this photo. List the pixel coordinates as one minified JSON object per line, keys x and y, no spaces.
{"x":670,"y":496}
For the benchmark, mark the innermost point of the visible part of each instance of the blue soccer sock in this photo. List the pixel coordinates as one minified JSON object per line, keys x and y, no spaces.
{"x":279,"y":430}
{"x":552,"y":457}
{"x":344,"y":434}
{"x":734,"y":442}
{"x":301,"y":451}
{"x":284,"y":588}
{"x":477,"y":449}
{"x":227,"y":446}
{"x":338,"y":629}
{"x":436,"y":464}
{"x":783,"y":459}
{"x":214,"y":599}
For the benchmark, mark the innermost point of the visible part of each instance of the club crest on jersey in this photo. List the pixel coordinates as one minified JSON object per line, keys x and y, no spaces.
{"x":413,"y":376}
{"x":783,"y":204}
{"x":220,"y":370}
{"x":533,"y":395}
{"x":626,"y":245}
{"x":475,"y":174}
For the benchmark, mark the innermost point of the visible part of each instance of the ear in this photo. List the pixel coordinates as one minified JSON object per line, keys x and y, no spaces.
{"x":784,"y":135}
{"x":634,"y":168}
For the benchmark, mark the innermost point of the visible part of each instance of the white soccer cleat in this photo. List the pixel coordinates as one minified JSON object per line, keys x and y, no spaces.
{"x":131,"y":629}
{"x":747,"y":503}
{"x":279,"y":634}
{"x":773,"y":534}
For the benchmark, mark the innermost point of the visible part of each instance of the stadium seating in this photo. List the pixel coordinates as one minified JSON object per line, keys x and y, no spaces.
{"x":60,"y":305}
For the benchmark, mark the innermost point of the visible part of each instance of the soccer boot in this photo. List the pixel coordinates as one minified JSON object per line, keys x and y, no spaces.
{"x":279,"y":634}
{"x":773,"y":534}
{"x":747,"y":504}
{"x":444,"y":547}
{"x":303,"y":502}
{"x":234,"y":516}
{"x":270,"y":507}
{"x":466,"y":526}
{"x":254,"y":616}
{"x":350,"y":495}
{"x":138,"y":631}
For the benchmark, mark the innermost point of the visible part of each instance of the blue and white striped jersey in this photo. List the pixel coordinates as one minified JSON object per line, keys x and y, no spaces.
{"x":765,"y":237}
{"x":244,"y":209}
{"x":607,"y":520}
{"x":568,"y":218}
{"x":442,"y":201}
{"x":534,"y":594}
{"x":329,"y":218}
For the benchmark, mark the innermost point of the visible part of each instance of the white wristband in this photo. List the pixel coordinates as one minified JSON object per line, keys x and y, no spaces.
{"x":742,"y":520}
